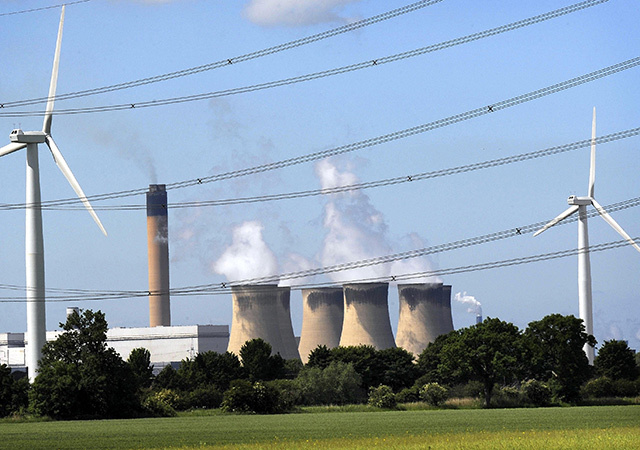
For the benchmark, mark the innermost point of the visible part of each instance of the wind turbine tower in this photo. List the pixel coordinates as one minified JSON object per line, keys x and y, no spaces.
{"x":580,"y":204}
{"x":34,"y":255}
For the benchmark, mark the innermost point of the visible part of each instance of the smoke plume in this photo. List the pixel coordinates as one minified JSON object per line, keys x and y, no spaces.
{"x":474,"y":305}
{"x":356,"y":230}
{"x":248,"y":256}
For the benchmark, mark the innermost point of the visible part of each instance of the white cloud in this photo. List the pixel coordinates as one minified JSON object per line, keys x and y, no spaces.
{"x":295,"y":12}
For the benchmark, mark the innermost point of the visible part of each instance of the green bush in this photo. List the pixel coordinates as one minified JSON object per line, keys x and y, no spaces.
{"x":337,"y":384}
{"x":599,"y":387}
{"x":507,"y":397}
{"x":382,"y":397}
{"x":245,"y":397}
{"x":157,"y":407}
{"x":207,"y":397}
{"x":626,"y":388}
{"x":536,"y":393}
{"x":409,"y":395}
{"x":289,"y":392}
{"x":434,"y":394}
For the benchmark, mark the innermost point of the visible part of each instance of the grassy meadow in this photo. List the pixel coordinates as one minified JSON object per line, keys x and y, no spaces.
{"x":536,"y":428}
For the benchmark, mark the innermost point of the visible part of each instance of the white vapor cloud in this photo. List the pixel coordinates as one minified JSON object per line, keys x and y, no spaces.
{"x":248,"y":256}
{"x":474,"y":305}
{"x":295,"y":12}
{"x":356,"y":230}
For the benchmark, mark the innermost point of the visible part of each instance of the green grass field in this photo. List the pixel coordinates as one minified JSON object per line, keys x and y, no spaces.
{"x":541,"y":428}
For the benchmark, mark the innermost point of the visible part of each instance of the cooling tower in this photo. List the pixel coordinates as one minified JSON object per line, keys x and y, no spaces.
{"x":256,"y":314}
{"x":366,"y":316}
{"x":322,"y":315}
{"x":289,"y":345}
{"x":447,"y":317}
{"x":158,"y":249}
{"x":425,"y":313}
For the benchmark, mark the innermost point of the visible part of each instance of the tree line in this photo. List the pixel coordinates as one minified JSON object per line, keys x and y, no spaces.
{"x":81,"y":377}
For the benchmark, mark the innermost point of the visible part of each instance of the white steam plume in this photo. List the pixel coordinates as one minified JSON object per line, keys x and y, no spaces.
{"x":295,"y":12}
{"x":474,"y":305}
{"x":356,"y":230}
{"x":248,"y":256}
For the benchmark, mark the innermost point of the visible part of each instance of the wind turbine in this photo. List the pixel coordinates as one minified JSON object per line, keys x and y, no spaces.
{"x":36,"y":314}
{"x":580,"y":204}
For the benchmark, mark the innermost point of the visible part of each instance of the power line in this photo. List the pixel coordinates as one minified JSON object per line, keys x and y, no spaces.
{"x":316,"y":75}
{"x":361,"y":186}
{"x":371,"y":142}
{"x":388,"y":279}
{"x":24,"y":11}
{"x":237,"y":59}
{"x":72,"y":294}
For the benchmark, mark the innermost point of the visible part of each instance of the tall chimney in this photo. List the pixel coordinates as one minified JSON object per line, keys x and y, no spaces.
{"x":322,"y":315}
{"x":158,"y":248}
{"x":366,"y":316}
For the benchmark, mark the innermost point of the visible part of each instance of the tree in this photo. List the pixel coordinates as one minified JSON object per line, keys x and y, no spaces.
{"x":13,"y":392}
{"x":400,"y":370}
{"x":80,"y":377}
{"x":616,"y":361}
{"x":140,"y":363}
{"x":489,"y":352}
{"x":337,"y":384}
{"x":366,"y":361}
{"x":554,"y":345}
{"x":429,"y":359}
{"x":320,"y":357}
{"x":210,"y":368}
{"x":258,"y":363}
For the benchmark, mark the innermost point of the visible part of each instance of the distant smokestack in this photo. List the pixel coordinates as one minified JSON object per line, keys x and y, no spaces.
{"x":478,"y":319}
{"x":71,"y":310}
{"x":425,"y":314}
{"x":322,"y":316}
{"x":258,"y":312}
{"x":158,"y":249}
{"x":366,"y":316}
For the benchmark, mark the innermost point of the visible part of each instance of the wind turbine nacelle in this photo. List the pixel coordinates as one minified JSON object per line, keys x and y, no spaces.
{"x":28,"y":137}
{"x":579,"y":201}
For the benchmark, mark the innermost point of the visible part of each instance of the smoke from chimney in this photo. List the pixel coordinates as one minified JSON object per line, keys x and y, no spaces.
{"x":474,"y":305}
{"x":158,"y":256}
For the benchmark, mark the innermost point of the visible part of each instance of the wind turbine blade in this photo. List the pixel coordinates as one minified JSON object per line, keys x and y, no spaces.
{"x":592,"y":166}
{"x":64,"y":168}
{"x":562,"y":216}
{"x":10,"y":148}
{"x":605,"y":215}
{"x":46,"y":126}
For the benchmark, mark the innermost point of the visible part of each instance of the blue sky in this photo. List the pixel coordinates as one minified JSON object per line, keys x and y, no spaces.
{"x":107,"y":42}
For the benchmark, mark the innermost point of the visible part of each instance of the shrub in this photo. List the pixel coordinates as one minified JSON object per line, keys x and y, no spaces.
{"x":156,"y":407}
{"x":626,"y":388}
{"x":536,"y":393}
{"x":382,"y":397}
{"x":508,"y":397}
{"x":207,"y":397}
{"x":599,"y":387}
{"x":433,"y":394}
{"x":243,"y":396}
{"x":409,"y":395}
{"x":337,"y":384}
{"x":289,"y":393}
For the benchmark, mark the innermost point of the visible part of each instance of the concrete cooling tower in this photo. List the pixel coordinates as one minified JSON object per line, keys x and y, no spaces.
{"x":322,"y":316}
{"x":366,"y":316}
{"x":262,"y":311}
{"x":158,"y":250}
{"x":425,"y":314}
{"x":289,"y":344}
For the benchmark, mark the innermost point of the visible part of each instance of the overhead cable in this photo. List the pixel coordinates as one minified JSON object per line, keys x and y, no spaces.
{"x":236,"y":59}
{"x":371,"y":142}
{"x":24,"y":11}
{"x":313,"y":76}
{"x":360,"y":186}
{"x":388,"y":279}
{"x":522,"y":230}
